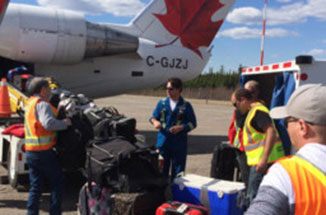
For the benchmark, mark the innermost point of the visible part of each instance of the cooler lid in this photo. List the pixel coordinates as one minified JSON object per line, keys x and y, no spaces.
{"x":210,"y":184}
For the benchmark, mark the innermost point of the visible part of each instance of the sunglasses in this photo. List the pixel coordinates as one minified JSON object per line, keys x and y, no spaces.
{"x":288,"y":120}
{"x":169,"y":88}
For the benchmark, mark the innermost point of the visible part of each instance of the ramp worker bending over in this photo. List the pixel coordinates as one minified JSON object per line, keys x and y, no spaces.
{"x":297,"y":184}
{"x":40,"y":137}
{"x":174,"y":118}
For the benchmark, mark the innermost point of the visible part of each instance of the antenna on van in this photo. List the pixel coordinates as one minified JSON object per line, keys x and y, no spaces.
{"x":263,"y":34}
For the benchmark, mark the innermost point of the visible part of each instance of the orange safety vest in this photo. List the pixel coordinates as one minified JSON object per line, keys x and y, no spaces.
{"x":37,"y":138}
{"x":309,"y":185}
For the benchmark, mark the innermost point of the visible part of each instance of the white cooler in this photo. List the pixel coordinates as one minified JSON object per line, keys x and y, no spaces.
{"x":218,"y":196}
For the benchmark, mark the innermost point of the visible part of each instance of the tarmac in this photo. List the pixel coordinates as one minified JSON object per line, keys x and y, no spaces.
{"x":213,"y":119}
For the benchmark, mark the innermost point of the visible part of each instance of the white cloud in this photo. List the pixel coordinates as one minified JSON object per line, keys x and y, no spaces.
{"x":245,"y":15}
{"x":317,"y":52}
{"x":296,"y":12}
{"x":251,"y":33}
{"x":115,"y":7}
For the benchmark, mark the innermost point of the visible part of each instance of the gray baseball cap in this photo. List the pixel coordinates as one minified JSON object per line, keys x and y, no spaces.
{"x":307,"y":102}
{"x":35,"y":84}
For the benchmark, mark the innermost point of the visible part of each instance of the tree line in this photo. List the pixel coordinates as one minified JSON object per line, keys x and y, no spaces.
{"x":215,"y":79}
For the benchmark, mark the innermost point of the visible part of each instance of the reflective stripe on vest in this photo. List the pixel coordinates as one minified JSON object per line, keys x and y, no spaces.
{"x":254,"y":140}
{"x":309,"y":185}
{"x":37,"y":138}
{"x":236,"y":141}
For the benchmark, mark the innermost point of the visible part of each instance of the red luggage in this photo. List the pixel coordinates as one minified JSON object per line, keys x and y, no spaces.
{"x":179,"y":208}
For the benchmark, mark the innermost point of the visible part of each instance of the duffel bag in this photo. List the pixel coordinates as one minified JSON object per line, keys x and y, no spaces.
{"x":123,"y":166}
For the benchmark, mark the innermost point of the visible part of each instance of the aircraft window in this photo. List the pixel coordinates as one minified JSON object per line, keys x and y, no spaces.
{"x":137,"y":74}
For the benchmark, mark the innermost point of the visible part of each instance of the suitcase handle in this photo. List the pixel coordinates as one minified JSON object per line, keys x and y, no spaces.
{"x":102,"y":150}
{"x":189,"y":206}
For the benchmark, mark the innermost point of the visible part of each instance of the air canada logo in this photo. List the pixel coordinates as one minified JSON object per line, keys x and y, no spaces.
{"x":190,"y":21}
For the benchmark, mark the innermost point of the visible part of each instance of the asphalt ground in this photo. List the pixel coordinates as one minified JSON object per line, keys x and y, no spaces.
{"x":212,"y":117}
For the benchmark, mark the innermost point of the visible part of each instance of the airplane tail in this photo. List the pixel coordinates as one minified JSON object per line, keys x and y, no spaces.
{"x":189,"y":23}
{"x":3,"y":8}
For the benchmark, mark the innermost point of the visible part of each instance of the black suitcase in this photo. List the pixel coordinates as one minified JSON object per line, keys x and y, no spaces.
{"x":224,"y":162}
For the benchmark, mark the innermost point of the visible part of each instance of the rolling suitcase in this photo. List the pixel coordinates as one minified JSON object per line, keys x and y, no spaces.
{"x":223,"y":162}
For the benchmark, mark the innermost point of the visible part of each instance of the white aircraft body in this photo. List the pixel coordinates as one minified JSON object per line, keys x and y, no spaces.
{"x":168,"y":38}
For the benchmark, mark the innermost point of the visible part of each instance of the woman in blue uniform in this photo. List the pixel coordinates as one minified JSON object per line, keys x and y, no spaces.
{"x":173,"y":117}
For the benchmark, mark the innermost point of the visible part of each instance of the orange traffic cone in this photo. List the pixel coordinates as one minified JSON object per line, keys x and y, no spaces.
{"x":5,"y":110}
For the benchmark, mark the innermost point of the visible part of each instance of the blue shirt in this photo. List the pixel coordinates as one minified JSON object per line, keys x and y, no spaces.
{"x":183,"y":114}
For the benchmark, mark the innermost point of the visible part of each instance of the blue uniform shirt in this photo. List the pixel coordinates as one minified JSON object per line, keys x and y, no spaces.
{"x":183,"y":114}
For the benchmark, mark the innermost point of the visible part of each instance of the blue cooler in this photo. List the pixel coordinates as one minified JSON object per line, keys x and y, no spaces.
{"x":218,"y":196}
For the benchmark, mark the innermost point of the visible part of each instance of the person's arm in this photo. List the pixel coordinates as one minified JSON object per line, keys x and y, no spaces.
{"x":269,"y":143}
{"x":154,"y":120}
{"x":157,"y":124}
{"x":47,"y":119}
{"x":269,"y":201}
{"x":275,"y":194}
{"x":262,"y":122}
{"x":191,"y":119}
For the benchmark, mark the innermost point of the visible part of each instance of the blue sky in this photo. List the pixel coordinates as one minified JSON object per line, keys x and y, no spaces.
{"x":294,"y":27}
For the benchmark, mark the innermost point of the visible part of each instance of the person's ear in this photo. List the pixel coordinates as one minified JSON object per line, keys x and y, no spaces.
{"x":303,"y":128}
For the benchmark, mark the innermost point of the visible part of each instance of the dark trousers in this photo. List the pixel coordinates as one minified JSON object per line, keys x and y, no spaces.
{"x":255,"y":178}
{"x":174,"y":158}
{"x":243,"y":166}
{"x":44,"y":165}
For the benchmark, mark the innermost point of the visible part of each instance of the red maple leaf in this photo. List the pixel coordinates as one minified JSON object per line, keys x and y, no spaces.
{"x":191,"y":22}
{"x":3,"y":6}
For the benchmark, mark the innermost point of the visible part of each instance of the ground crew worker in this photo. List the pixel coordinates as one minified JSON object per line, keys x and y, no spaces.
{"x":174,"y":118}
{"x":254,"y":89}
{"x":297,"y":184}
{"x":235,"y":132}
{"x":260,"y":139}
{"x":237,"y":124}
{"x":40,"y":137}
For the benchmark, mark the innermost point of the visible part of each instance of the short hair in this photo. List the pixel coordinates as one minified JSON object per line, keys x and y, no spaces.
{"x":35,"y":85}
{"x":243,"y":93}
{"x":175,"y":83}
{"x":253,"y":87}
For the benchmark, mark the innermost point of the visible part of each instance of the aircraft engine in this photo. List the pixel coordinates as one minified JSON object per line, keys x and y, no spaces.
{"x":42,"y":35}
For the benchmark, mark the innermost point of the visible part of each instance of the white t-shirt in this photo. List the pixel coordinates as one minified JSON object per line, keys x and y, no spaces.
{"x":278,"y":178}
{"x":173,"y":104}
